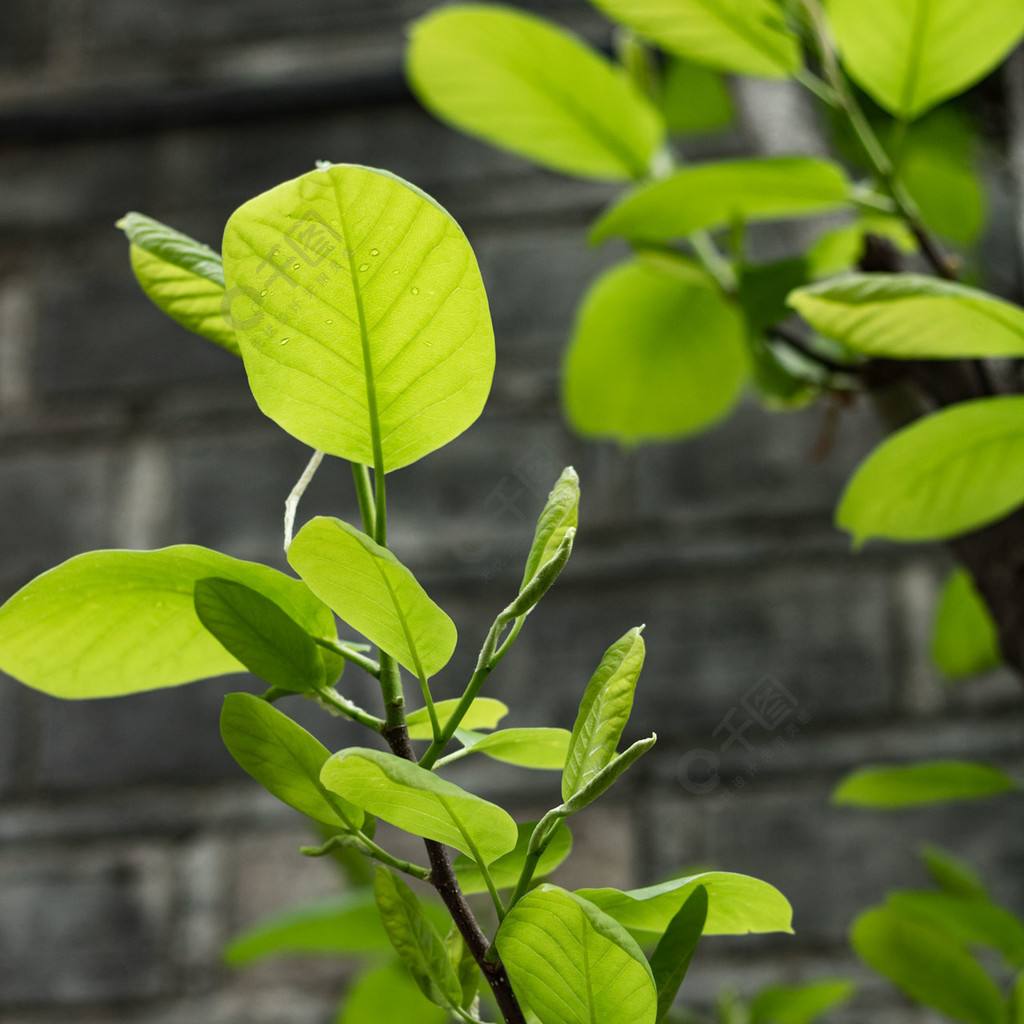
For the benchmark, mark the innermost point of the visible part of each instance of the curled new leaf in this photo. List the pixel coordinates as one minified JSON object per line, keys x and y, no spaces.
{"x":560,"y":513}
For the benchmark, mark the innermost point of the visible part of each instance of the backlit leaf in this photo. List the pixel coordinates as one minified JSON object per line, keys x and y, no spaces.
{"x":965,"y":641}
{"x":505,"y":870}
{"x":923,"y":783}
{"x":538,"y":747}
{"x":694,"y":100}
{"x":483,"y":713}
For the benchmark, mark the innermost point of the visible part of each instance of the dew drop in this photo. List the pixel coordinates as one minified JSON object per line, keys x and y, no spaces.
{"x":264,"y":292}
{"x":295,"y":266}
{"x":375,"y":252}
{"x":395,"y":272}
{"x":284,"y":341}
{"x":330,"y":321}
{"x":363,"y":267}
{"x":415,"y":291}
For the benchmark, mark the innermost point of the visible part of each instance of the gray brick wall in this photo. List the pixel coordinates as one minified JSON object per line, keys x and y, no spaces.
{"x":131,"y":847}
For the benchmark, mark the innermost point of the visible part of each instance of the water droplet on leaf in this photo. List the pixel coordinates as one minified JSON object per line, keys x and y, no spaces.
{"x":415,"y":291}
{"x":284,"y":341}
{"x":375,"y":252}
{"x":364,"y":266}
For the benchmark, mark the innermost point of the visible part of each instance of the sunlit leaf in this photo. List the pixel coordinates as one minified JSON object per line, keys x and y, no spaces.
{"x":537,"y":747}
{"x":799,"y":1004}
{"x":505,"y":870}
{"x":360,"y":313}
{"x":483,"y":713}
{"x":694,"y":100}
{"x":965,"y":641}
{"x":927,"y":782}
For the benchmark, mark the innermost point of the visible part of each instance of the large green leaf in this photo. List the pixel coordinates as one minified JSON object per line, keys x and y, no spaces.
{"x":572,"y":964}
{"x":528,"y":86}
{"x":537,"y":747}
{"x":388,"y":994}
{"x":909,"y":55}
{"x":603,"y":712}
{"x":505,"y":870}
{"x":671,"y":958}
{"x":965,"y":641}
{"x":748,"y":36}
{"x":799,"y":1004}
{"x":265,"y":639}
{"x":927,"y":965}
{"x":483,"y":713}
{"x":737,"y":904}
{"x":283,"y":758}
{"x":416,"y":940}
{"x":109,"y":623}
{"x":927,"y":782}
{"x":360,"y":313}
{"x":374,"y":593}
{"x":946,"y":474}
{"x":414,"y":799}
{"x":181,"y":276}
{"x":714,"y":195}
{"x":910,"y":316}
{"x":657,"y":353}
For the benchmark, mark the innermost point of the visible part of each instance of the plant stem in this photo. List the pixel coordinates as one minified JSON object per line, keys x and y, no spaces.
{"x":333,"y":700}
{"x":371,"y":849}
{"x":364,"y":494}
{"x":539,"y":840}
{"x":349,"y":653}
{"x":291,"y":504}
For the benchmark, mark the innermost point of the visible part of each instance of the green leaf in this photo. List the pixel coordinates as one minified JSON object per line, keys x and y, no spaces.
{"x":737,"y":904}
{"x":414,"y":799}
{"x":966,"y":919}
{"x":657,"y":353}
{"x":266,"y":640}
{"x":465,"y":967}
{"x":603,"y":712}
{"x":360,"y":313}
{"x":748,"y":36}
{"x":714,"y":195}
{"x":951,"y":874}
{"x":927,"y":966}
{"x":799,"y":1004}
{"x":528,"y":86}
{"x":927,"y":782}
{"x":965,"y":641}
{"x":483,"y":713}
{"x":910,"y":56}
{"x":694,"y":100}
{"x":283,"y":758}
{"x":671,"y":958}
{"x":840,"y":249}
{"x":342,"y":926}
{"x":374,"y":593}
{"x":529,"y":747}
{"x":416,"y":940}
{"x":505,"y":870}
{"x":910,"y":316}
{"x":181,"y":276}
{"x":572,"y":964}
{"x":948,"y":473}
{"x":385,"y":995}
{"x":109,"y":623}
{"x":1015,"y":1003}
{"x":560,"y":514}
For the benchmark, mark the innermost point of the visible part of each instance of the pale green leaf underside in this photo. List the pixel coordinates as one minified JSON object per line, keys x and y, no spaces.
{"x":737,"y":904}
{"x":714,"y":195}
{"x":965,"y":641}
{"x":912,"y":54}
{"x":360,"y":313}
{"x":572,"y":964}
{"x":373,"y":593}
{"x":483,"y":713}
{"x":505,"y":870}
{"x":283,"y":758}
{"x":924,"y":783}
{"x":910,"y":316}
{"x":946,"y":474}
{"x":528,"y":86}
{"x":748,"y":36}
{"x":930,"y":967}
{"x":537,"y":747}
{"x":416,"y":800}
{"x":657,"y":353}
{"x":109,"y":623}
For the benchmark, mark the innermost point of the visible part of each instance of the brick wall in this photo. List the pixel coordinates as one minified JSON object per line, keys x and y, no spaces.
{"x":131,"y":846}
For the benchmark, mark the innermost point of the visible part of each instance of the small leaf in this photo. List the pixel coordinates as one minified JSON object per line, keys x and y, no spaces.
{"x":416,"y":800}
{"x":737,"y":905}
{"x":265,"y":639}
{"x":799,"y":1004}
{"x":694,"y":100}
{"x":360,"y":313}
{"x":671,"y":958}
{"x":928,"y":782}
{"x":748,"y":36}
{"x":416,"y":940}
{"x":927,"y":966}
{"x":181,"y":276}
{"x":572,"y":964}
{"x":505,"y":870}
{"x":657,"y":353}
{"x":374,"y":593}
{"x":909,"y":316}
{"x":533,"y":88}
{"x":965,"y":642}
{"x":560,"y":514}
{"x":283,"y":758}
{"x":603,"y":712}
{"x":387,"y":994}
{"x":909,"y":57}
{"x":951,"y":874}
{"x":529,"y":747}
{"x":608,"y":774}
{"x":109,"y":623}
{"x":483,"y":713}
{"x":715,"y":195}
{"x":946,"y":474}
